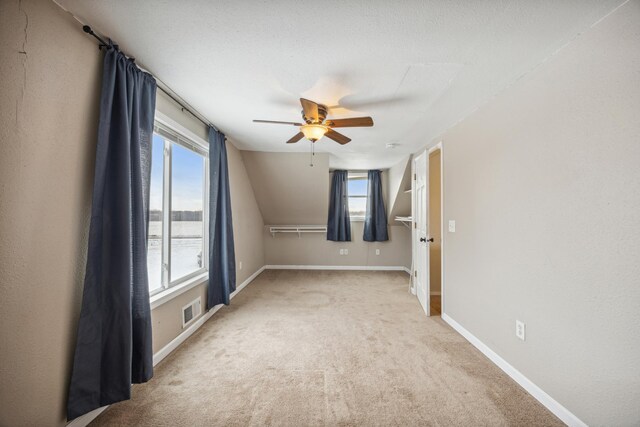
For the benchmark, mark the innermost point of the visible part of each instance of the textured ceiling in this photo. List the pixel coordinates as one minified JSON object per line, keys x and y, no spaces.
{"x":417,"y":67}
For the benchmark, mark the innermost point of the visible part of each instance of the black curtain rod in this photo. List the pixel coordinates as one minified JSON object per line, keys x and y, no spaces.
{"x":87,"y":29}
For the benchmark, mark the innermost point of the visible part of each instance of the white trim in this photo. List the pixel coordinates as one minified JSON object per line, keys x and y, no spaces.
{"x":195,"y":303}
{"x":177,"y":127}
{"x":85,"y":419}
{"x":167,"y":349}
{"x":168,"y":294}
{"x":550,"y":403}
{"x":336,"y":267}
{"x":407,"y":270}
{"x":439,"y":146}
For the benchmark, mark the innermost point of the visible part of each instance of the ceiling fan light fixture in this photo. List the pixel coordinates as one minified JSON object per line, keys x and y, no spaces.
{"x":313,"y":132}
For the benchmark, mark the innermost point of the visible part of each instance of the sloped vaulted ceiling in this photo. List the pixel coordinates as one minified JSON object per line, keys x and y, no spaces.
{"x":416,"y":66}
{"x":288,"y":190}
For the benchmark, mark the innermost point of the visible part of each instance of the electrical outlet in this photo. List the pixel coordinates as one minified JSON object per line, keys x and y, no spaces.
{"x":240,"y":265}
{"x":346,"y":251}
{"x":341,"y":251}
{"x":452,"y":226}
{"x":520,"y":329}
{"x":377,"y":251}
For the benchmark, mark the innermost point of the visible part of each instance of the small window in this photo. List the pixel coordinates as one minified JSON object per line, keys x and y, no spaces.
{"x":357,"y":190}
{"x":177,"y":240}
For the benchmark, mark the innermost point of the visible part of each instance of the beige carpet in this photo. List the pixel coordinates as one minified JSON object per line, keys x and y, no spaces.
{"x":327,"y":348}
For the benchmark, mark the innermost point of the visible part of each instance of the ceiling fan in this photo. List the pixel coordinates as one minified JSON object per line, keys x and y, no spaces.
{"x":316,"y":125}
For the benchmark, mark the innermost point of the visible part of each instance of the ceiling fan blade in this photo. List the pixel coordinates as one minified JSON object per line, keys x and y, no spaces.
{"x":297,"y":137}
{"x":337,"y":137}
{"x":277,"y":122}
{"x":310,"y":109}
{"x":350,"y":123}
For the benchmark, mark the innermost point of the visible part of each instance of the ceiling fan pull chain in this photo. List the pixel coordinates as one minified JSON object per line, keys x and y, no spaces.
{"x":311,"y":154}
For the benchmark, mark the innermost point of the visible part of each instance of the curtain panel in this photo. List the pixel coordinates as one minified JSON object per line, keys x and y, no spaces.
{"x":375,"y":219}
{"x":339,"y":223}
{"x":222,"y":258}
{"x":113,"y":347}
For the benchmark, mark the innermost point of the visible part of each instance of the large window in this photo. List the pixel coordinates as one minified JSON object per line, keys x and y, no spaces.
{"x":177,"y":242}
{"x":357,"y":190}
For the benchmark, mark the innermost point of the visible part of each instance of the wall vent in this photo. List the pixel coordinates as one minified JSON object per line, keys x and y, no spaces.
{"x":191,"y":311}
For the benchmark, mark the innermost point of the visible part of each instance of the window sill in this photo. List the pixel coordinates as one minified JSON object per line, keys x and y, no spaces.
{"x":168,"y":294}
{"x":356,"y":219}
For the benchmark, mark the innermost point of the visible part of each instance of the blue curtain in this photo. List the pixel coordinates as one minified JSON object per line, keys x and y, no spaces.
{"x":222,"y":257}
{"x":113,"y":348}
{"x":338,"y":223}
{"x":375,"y":219}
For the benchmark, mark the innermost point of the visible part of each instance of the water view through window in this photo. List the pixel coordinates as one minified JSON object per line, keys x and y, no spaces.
{"x":187,"y":191}
{"x":186,"y":196}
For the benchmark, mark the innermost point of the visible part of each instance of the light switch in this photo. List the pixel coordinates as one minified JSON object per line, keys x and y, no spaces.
{"x":452,"y":226}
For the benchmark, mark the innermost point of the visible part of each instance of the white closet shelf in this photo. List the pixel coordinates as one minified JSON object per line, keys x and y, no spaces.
{"x":299,"y":229}
{"x":405,"y":220}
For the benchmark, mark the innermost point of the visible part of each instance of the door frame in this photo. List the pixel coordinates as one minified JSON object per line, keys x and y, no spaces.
{"x":439,"y":146}
{"x":414,"y":239}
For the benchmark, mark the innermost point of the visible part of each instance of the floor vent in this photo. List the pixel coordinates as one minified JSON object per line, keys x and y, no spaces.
{"x":190,"y":312}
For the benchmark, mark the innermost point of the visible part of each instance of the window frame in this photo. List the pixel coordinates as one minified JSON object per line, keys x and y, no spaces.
{"x":355,"y":175}
{"x":173,"y":133}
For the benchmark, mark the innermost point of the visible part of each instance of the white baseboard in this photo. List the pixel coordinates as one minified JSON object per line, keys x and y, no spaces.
{"x":337,"y":267}
{"x":84,"y":420}
{"x":167,"y":349}
{"x":551,"y":404}
{"x":406,"y":270}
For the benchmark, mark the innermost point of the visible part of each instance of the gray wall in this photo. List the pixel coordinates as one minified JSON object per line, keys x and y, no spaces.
{"x":544,"y":185}
{"x":48,"y":127}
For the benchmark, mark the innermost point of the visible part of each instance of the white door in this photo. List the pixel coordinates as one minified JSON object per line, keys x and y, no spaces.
{"x":420,"y":229}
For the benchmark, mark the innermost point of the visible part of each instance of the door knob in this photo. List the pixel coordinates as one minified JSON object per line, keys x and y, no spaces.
{"x":424,"y":239}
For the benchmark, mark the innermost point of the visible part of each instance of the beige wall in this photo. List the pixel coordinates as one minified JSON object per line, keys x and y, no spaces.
{"x":248,"y":236}
{"x":247,"y":229}
{"x":398,"y":181}
{"x":288,"y":190}
{"x":435,"y":266}
{"x":315,"y":249}
{"x":48,"y":128}
{"x":544,"y":185}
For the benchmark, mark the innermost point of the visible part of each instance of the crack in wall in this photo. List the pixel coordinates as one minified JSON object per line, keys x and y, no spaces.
{"x":23,"y":58}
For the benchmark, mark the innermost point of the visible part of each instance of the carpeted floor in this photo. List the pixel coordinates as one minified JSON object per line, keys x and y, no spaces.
{"x":327,"y":348}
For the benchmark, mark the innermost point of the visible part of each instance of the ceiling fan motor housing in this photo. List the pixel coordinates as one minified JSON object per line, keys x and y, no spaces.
{"x":322,"y":115}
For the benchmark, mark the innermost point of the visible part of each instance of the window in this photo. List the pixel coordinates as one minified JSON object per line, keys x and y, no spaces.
{"x":357,"y":191}
{"x":177,"y":241}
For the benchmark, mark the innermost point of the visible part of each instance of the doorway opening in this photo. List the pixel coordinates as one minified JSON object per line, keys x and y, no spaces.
{"x":435,"y":231}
